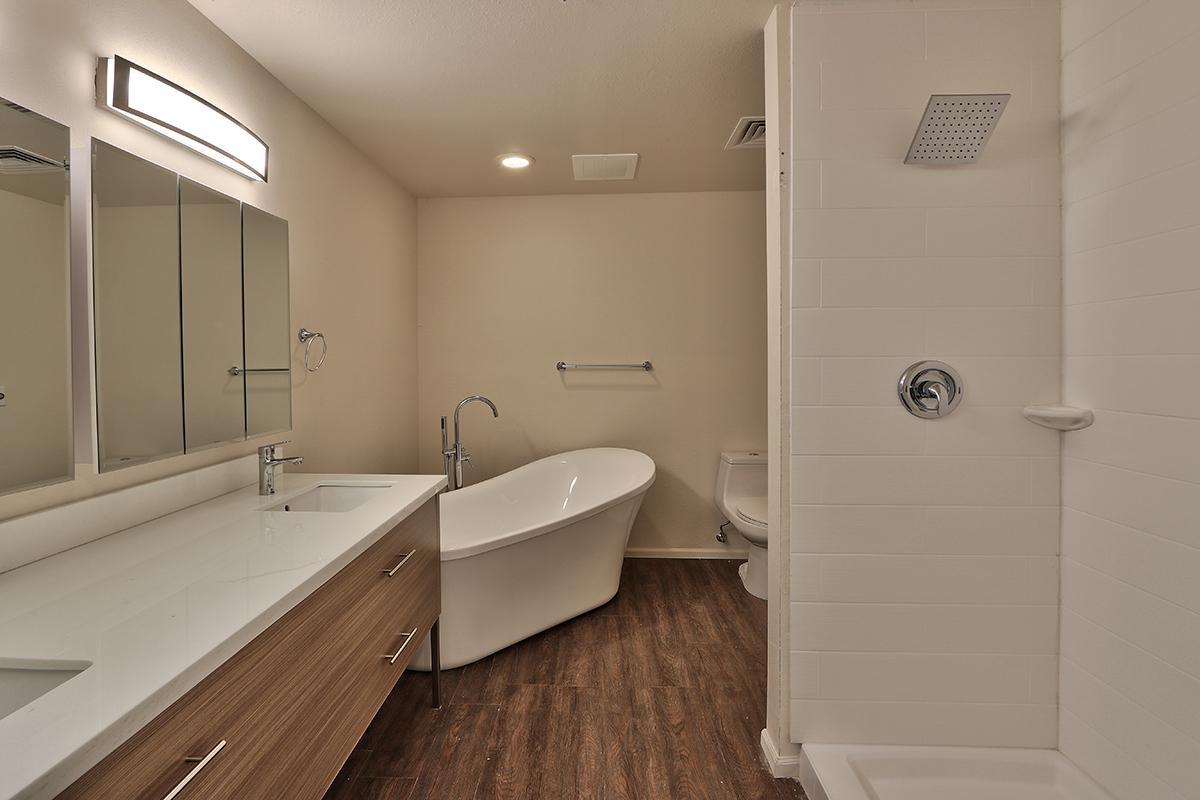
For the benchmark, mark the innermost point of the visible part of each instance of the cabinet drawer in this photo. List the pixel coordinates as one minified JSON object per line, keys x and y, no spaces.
{"x":290,"y":705}
{"x":309,"y":732}
{"x":231,"y":705}
{"x":305,"y":762}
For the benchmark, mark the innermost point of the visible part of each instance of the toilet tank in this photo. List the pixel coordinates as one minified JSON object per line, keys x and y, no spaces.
{"x":740,"y":474}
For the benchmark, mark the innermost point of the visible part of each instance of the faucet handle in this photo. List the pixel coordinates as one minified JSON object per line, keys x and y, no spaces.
{"x":269,"y":449}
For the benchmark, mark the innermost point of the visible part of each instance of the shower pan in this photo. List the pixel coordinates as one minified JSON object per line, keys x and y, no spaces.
{"x":880,"y":772}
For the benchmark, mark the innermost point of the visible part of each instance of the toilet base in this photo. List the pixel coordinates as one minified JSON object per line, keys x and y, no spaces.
{"x":754,"y":572}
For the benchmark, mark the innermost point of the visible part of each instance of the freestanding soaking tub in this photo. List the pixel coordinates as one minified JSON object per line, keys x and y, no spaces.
{"x":528,"y":549}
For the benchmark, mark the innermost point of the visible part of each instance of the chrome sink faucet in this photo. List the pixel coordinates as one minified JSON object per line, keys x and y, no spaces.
{"x":268,"y":463}
{"x":453,"y":457}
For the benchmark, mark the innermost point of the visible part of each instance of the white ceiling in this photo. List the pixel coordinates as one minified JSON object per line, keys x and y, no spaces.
{"x":434,"y":90}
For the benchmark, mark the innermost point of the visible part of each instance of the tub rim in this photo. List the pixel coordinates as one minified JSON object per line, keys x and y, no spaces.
{"x":510,"y":537}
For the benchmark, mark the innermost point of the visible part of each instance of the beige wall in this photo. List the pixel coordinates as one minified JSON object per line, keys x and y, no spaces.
{"x":924,"y":569}
{"x":1130,"y":682}
{"x":353,"y":229}
{"x":509,"y":286}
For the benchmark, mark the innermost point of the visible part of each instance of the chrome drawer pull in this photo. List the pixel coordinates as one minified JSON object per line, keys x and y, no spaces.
{"x":392,"y":658}
{"x":200,"y":763}
{"x":403,"y":561}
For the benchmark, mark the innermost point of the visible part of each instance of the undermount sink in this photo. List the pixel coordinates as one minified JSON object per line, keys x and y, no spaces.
{"x":332,"y":498}
{"x":23,"y":680}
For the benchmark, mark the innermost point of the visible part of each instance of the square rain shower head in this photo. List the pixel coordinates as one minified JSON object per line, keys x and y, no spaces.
{"x":955,"y":128}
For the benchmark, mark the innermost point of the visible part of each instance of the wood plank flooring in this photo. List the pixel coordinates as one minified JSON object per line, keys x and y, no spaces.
{"x":658,"y":695}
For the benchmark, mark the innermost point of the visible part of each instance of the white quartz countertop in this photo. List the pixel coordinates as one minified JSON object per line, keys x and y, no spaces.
{"x":157,"y":607}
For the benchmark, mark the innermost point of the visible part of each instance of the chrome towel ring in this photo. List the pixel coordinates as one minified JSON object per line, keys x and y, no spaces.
{"x":308,"y":337}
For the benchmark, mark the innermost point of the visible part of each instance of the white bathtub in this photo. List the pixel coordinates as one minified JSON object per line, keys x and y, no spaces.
{"x":869,"y":772}
{"x":528,"y":549}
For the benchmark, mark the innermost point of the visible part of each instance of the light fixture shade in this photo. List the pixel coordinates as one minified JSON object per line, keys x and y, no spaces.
{"x":150,"y":100}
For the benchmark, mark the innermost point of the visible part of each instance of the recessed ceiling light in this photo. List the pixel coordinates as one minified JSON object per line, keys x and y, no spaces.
{"x":515,"y":160}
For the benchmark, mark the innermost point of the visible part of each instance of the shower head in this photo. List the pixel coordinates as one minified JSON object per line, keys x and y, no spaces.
{"x":955,"y":128}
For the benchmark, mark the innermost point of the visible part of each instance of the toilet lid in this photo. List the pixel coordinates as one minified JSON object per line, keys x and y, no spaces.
{"x":753,"y":509}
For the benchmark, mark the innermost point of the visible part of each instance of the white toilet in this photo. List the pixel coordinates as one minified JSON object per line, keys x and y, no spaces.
{"x":742,"y":497}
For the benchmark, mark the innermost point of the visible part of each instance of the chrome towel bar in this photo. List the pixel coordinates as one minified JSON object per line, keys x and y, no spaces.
{"x":563,"y":366}
{"x":240,"y":371}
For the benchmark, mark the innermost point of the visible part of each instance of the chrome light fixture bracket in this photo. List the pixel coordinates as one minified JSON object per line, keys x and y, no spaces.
{"x":168,"y":109}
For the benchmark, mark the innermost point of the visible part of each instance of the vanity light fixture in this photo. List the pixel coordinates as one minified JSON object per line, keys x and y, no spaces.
{"x":150,"y":100}
{"x":515,"y":160}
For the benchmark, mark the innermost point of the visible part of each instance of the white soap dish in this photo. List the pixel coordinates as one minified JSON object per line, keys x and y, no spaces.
{"x":1059,"y":418}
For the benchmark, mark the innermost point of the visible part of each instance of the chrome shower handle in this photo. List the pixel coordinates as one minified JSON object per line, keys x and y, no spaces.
{"x":930,"y":389}
{"x":936,"y":391}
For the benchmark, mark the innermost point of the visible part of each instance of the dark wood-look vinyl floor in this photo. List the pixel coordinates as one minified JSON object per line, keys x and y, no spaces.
{"x":659,"y":695}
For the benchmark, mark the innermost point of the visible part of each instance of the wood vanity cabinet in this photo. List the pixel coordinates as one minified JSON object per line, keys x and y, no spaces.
{"x":290,"y":705}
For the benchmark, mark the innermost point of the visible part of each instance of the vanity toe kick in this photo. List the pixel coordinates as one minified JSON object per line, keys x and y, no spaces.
{"x":281,"y":716}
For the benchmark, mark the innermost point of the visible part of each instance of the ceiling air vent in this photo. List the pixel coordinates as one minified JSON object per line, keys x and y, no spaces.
{"x":749,"y":132}
{"x":605,"y":167}
{"x":19,"y":161}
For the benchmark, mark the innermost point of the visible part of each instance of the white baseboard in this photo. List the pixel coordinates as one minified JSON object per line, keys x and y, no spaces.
{"x":780,"y":766}
{"x":683,"y":552}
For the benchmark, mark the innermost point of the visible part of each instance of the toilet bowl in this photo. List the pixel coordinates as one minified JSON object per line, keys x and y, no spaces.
{"x":741,"y":495}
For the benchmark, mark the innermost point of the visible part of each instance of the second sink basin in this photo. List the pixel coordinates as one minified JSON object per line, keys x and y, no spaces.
{"x":332,"y":497}
{"x":24,"y":680}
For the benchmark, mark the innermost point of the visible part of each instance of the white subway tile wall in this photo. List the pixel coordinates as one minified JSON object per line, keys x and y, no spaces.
{"x":924,"y":566}
{"x":1130,"y":675}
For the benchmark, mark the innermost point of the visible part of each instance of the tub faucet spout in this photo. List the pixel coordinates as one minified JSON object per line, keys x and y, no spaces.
{"x":454,"y":456}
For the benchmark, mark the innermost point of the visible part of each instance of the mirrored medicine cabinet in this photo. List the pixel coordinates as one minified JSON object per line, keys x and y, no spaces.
{"x":191,"y":313}
{"x":35,"y":327}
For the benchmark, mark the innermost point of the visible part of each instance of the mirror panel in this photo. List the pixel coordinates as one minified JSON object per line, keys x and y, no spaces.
{"x":35,"y":324}
{"x":210,"y":248}
{"x":267,"y":322}
{"x":193,"y":343}
{"x":135,"y":256}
